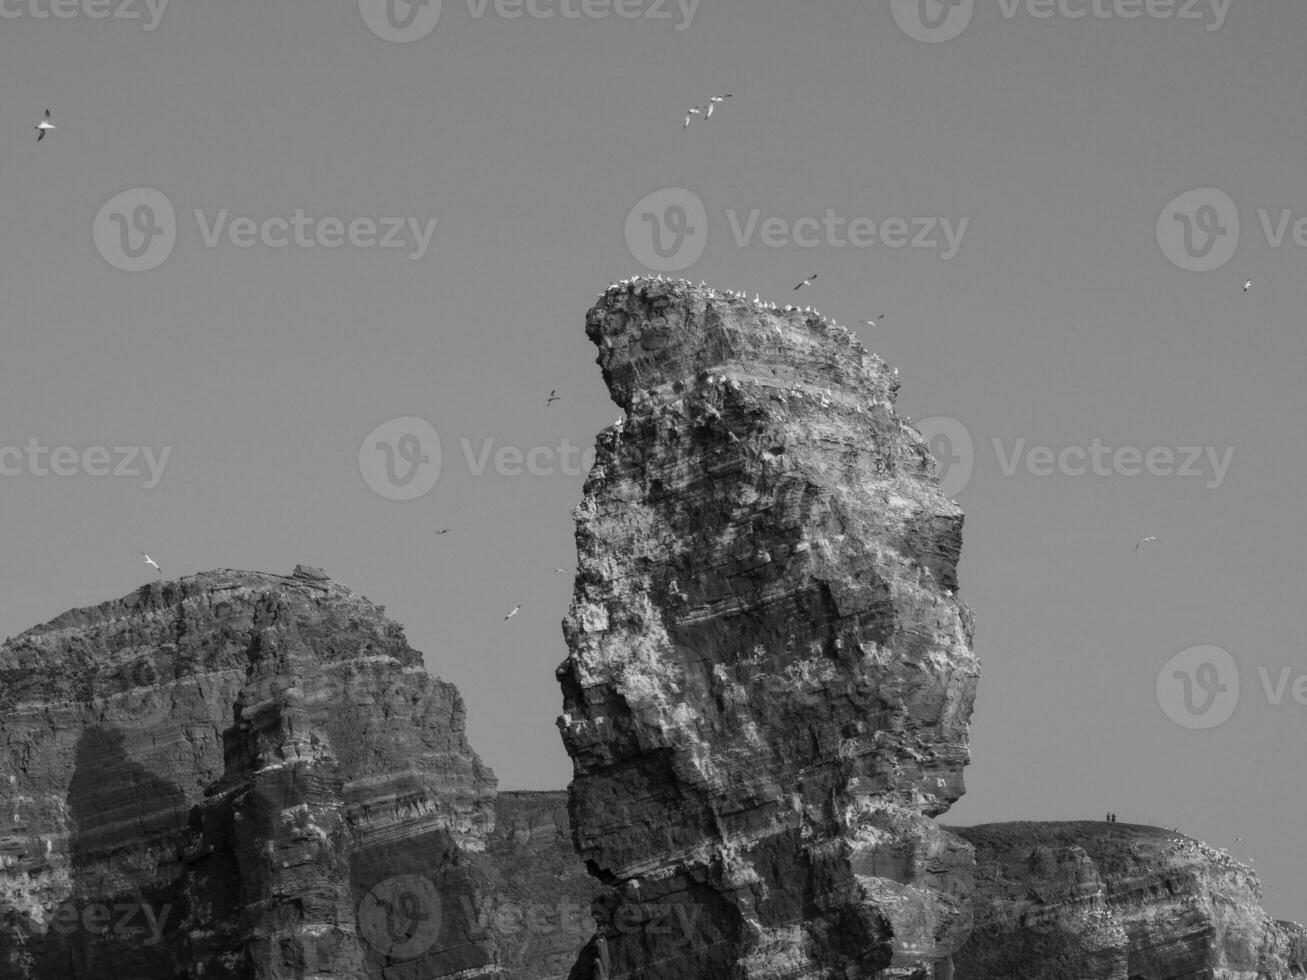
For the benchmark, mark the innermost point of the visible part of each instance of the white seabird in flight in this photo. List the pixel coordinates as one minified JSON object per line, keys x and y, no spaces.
{"x":514,"y":612}
{"x":806,"y":281}
{"x":1143,"y":541}
{"x":690,"y":113}
{"x":712,"y":103}
{"x":875,"y":322}
{"x":44,"y":126}
{"x":151,"y":561}
{"x":1248,"y":285}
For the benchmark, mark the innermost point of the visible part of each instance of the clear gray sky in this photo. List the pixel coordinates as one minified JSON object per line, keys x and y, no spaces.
{"x":1061,"y":319}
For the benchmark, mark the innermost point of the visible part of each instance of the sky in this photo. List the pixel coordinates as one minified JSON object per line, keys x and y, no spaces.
{"x":225,"y":253}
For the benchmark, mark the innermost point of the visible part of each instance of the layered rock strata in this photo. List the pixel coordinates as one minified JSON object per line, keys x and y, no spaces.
{"x":1100,"y":901}
{"x":237,"y":775}
{"x":770,"y":673}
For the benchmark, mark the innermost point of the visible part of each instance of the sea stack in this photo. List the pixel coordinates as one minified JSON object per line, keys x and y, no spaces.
{"x":770,"y":675}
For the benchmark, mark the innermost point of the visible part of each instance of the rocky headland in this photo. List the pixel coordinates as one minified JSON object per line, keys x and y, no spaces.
{"x":770,"y":679}
{"x":242,"y":775}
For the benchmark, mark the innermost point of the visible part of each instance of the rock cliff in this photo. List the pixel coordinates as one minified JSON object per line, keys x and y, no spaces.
{"x":244,"y":775}
{"x":1100,"y":901}
{"x":770,"y":674}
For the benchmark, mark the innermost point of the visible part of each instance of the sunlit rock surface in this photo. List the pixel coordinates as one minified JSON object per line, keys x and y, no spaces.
{"x":245,"y":775}
{"x":771,"y":675}
{"x":1100,"y":901}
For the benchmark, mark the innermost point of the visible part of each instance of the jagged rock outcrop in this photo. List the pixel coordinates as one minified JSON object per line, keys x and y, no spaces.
{"x":1100,"y":901}
{"x":770,"y":674}
{"x":243,"y":775}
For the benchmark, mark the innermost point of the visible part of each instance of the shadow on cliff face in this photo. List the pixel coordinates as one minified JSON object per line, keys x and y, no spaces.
{"x":124,"y":821}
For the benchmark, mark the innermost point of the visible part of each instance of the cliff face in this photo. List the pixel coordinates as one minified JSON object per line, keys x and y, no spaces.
{"x":770,"y":675}
{"x":238,"y":775}
{"x":539,"y":905}
{"x":1099,"y":901}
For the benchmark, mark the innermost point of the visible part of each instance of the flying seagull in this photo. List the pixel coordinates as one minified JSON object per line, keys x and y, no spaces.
{"x":514,"y":612}
{"x":44,"y":126}
{"x":875,"y":322}
{"x":1248,"y":285}
{"x":697,"y":110}
{"x":151,"y":561}
{"x":1142,"y":541}
{"x":560,"y":569}
{"x":712,"y":103}
{"x":806,"y":281}
{"x":553,"y":397}
{"x":443,"y":530}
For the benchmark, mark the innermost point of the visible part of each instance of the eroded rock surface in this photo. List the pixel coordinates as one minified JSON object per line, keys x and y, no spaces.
{"x":254,"y":775}
{"x":1099,"y":901}
{"x":770,"y":674}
